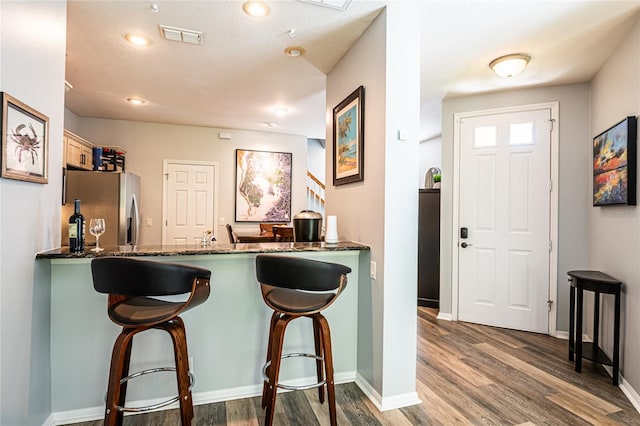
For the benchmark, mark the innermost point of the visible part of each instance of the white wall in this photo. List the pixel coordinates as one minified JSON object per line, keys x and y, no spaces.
{"x":148,"y":144}
{"x":614,"y":240}
{"x":430,"y":152}
{"x":316,"y":158}
{"x":575,"y":148}
{"x":32,"y":49}
{"x":381,"y":211}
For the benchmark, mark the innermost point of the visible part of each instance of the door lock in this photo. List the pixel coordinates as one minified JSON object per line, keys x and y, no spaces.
{"x":465,"y":245}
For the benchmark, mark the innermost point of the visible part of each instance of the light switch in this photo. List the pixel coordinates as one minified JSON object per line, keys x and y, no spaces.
{"x":221,"y":221}
{"x":149,"y":221}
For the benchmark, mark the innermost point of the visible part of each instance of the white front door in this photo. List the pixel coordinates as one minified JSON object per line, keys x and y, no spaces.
{"x":504,"y":205}
{"x":189,"y":201}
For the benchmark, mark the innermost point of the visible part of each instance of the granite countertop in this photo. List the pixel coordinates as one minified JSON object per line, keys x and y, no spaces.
{"x":215,"y":248}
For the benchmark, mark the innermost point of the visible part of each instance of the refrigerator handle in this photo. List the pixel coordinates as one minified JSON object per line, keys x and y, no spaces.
{"x":135,"y":220}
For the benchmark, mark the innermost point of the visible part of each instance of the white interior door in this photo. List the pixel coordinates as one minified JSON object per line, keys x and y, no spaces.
{"x":189,"y":202}
{"x":505,"y":206}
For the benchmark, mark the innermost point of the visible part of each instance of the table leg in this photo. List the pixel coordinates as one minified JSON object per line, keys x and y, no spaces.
{"x":616,"y":339}
{"x":596,"y":322}
{"x":578,"y":347}
{"x":572,"y":315}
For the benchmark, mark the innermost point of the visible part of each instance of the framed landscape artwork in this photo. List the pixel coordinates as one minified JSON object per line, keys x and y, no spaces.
{"x":263,"y":186}
{"x":348,"y":139}
{"x":25,"y":141}
{"x":614,"y":164}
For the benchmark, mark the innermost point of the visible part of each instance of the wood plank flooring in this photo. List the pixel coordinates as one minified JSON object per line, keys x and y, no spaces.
{"x":467,"y":374}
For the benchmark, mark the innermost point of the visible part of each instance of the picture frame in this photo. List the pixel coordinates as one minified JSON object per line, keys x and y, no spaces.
{"x":348,"y":139}
{"x":263,"y":186}
{"x":25,"y":142}
{"x":614,"y":164}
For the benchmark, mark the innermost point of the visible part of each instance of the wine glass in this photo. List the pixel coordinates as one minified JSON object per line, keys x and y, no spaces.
{"x":97,"y":228}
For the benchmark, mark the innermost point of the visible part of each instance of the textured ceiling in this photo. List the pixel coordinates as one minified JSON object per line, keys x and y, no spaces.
{"x":239,"y":72}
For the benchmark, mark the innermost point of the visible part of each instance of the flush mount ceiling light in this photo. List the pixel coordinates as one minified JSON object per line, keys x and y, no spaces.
{"x":136,"y":101}
{"x":294,"y":51}
{"x":137,"y":39}
{"x":257,"y":9}
{"x":510,"y":65}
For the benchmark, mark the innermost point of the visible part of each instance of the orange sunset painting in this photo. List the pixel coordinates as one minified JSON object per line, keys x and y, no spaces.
{"x":610,"y":166}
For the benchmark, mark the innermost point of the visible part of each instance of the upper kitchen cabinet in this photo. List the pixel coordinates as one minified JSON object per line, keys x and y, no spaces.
{"x":78,"y":153}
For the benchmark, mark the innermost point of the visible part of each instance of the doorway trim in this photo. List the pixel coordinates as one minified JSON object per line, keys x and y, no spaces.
{"x":165,"y":188}
{"x":553,"y":213}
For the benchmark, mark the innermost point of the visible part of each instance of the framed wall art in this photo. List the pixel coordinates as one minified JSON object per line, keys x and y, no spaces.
{"x":614,"y":164}
{"x":263,"y":186}
{"x":25,"y":141}
{"x":348,"y":139}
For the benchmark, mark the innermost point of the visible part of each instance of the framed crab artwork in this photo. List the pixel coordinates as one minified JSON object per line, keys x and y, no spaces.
{"x":25,"y":141}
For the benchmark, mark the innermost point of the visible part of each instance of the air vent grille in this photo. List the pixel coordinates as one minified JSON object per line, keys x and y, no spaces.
{"x":333,"y":4}
{"x":181,"y":34}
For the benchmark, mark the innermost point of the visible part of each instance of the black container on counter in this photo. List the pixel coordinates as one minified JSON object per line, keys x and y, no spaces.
{"x":306,"y":226}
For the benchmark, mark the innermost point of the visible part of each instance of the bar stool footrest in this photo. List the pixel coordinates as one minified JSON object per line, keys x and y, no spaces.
{"x":294,"y":387}
{"x":192,"y":382}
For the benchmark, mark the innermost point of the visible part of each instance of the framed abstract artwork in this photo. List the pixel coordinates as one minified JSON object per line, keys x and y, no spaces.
{"x":614,"y":164}
{"x":348,"y":139}
{"x":25,"y":141}
{"x":263,"y":186}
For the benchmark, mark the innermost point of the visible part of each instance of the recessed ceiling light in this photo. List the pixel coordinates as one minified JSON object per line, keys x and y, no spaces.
{"x":137,"y":39}
{"x":257,"y":9}
{"x":280,"y":110}
{"x":294,"y":51}
{"x":136,"y":101}
{"x":510,"y":65}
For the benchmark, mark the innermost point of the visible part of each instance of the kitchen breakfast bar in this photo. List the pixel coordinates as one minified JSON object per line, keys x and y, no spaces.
{"x":227,"y":335}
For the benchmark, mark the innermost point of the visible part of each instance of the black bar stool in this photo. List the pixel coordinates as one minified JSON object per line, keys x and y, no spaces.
{"x":131,"y":285}
{"x":294,"y":288}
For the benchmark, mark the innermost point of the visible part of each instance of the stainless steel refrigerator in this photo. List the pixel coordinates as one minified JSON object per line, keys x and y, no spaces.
{"x":110,"y":195}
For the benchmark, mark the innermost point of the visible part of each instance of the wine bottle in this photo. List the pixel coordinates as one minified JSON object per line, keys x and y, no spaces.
{"x":76,"y":229}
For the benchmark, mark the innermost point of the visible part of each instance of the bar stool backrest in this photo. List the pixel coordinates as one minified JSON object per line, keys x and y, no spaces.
{"x":300,"y":274}
{"x":135,"y":277}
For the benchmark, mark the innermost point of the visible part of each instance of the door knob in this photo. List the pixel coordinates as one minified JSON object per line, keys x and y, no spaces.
{"x":465,"y":245}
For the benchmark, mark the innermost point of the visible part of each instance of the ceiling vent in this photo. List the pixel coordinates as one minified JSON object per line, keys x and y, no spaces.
{"x":180,"y":34}
{"x":333,"y":4}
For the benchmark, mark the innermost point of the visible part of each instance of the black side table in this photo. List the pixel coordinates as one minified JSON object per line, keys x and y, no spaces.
{"x":599,"y":283}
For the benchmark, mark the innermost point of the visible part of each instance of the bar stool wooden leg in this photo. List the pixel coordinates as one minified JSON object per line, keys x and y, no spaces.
{"x":176,"y":330}
{"x":116,"y":393}
{"x":319,"y":352}
{"x":328,"y":366}
{"x":265,"y":388}
{"x":274,"y":370}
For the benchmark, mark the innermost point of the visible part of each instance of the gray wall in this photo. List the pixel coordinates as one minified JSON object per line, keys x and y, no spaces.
{"x":381,"y":211}
{"x":614,"y":240}
{"x":574,"y":196}
{"x":32,"y":49}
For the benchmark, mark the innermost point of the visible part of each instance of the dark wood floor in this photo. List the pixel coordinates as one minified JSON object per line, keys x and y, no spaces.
{"x":467,"y":375}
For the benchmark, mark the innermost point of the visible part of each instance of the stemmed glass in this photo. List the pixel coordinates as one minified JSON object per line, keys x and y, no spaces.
{"x":97,"y":228}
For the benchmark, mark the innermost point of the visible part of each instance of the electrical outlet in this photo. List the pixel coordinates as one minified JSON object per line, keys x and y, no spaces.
{"x":149,"y":221}
{"x":372,"y":270}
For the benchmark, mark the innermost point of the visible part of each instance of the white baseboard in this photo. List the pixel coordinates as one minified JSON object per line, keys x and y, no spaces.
{"x":199,"y":398}
{"x":388,"y":403}
{"x":444,"y":317}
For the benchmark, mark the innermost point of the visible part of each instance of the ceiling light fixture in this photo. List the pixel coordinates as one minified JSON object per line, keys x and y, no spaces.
{"x":280,"y":110}
{"x":137,"y":40}
{"x":136,"y":101}
{"x":294,"y":51}
{"x":257,"y":9}
{"x":510,"y":65}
